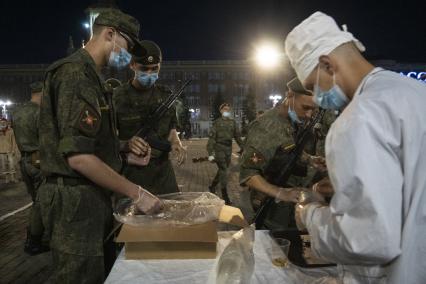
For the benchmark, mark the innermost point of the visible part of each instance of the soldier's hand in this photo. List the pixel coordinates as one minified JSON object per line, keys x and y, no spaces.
{"x":288,"y":194}
{"x":138,"y":146}
{"x":211,"y":158}
{"x":318,"y":163}
{"x":147,"y":202}
{"x":324,"y":187}
{"x":180,"y":152}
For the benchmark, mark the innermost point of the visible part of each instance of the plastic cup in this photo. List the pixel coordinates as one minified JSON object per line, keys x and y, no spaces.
{"x":284,"y":245}
{"x":278,"y":252}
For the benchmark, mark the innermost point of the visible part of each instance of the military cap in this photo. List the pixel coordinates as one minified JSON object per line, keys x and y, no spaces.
{"x":127,"y":25}
{"x":296,"y":86}
{"x":36,"y":87}
{"x":224,"y":105}
{"x":149,"y":53}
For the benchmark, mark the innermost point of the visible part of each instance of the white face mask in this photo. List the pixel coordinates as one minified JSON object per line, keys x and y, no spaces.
{"x":226,"y":114}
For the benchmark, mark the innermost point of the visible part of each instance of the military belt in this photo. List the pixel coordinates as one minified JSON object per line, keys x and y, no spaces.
{"x":68,"y":181}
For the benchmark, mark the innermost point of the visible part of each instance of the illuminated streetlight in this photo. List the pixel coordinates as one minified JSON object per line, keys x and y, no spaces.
{"x":86,"y":25}
{"x":268,"y":56}
{"x":3,"y":105}
{"x":275,"y":99}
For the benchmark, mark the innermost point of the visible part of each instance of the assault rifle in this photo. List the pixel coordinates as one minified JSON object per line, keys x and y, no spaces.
{"x":149,"y":125}
{"x":287,"y":166}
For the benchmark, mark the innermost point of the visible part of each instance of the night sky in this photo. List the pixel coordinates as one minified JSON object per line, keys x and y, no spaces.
{"x":38,"y":31}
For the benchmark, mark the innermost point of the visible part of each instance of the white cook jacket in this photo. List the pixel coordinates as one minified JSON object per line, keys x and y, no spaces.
{"x":375,"y":226}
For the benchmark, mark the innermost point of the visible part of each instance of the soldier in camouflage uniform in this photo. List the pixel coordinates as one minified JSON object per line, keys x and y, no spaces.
{"x":25,"y":125}
{"x":134,"y":101}
{"x":79,"y":153}
{"x":219,"y":148}
{"x":268,"y":136}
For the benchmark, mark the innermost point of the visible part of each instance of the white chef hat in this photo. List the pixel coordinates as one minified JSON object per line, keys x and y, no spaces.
{"x":315,"y":36}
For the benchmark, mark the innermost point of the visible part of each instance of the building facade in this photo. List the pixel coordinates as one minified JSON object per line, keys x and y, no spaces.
{"x":230,"y":78}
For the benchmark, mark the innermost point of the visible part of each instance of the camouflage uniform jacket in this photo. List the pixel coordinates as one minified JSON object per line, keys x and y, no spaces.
{"x":221,"y":134}
{"x":268,"y":134}
{"x":134,"y":106}
{"x":76,"y":116}
{"x":25,"y":126}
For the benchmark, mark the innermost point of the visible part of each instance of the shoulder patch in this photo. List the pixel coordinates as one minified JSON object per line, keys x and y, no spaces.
{"x":89,"y":121}
{"x":256,"y":158}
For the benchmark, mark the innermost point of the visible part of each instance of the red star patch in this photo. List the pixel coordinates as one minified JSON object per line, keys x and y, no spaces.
{"x":89,"y":120}
{"x":256,"y":158}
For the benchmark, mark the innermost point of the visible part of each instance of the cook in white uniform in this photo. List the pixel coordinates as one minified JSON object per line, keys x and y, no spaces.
{"x":375,"y":225}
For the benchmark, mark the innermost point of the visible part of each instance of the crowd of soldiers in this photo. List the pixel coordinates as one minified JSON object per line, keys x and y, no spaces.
{"x":79,"y":151}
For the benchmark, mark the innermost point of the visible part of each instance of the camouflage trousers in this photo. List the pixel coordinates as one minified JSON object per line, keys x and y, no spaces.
{"x":222,"y":158}
{"x":77,"y":219}
{"x":33,"y":179}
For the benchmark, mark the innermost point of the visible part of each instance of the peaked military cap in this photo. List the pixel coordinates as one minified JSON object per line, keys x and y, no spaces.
{"x":127,"y":25}
{"x":149,"y":53}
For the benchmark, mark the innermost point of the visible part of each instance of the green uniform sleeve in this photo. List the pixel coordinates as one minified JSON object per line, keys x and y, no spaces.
{"x":258,"y":152}
{"x":212,"y":140}
{"x":77,"y":111}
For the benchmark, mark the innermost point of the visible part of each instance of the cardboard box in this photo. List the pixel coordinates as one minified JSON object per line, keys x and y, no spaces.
{"x":183,"y":242}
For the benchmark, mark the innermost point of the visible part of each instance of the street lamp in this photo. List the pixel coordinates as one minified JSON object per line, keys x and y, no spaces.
{"x":267,"y":56}
{"x":86,"y":25}
{"x":275,"y":99}
{"x":3,"y":104}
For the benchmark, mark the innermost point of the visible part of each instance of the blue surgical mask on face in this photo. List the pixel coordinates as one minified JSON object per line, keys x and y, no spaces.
{"x":146,"y":79}
{"x":334,"y":98}
{"x":119,"y":59}
{"x":226,"y":114}
{"x":293,"y":115}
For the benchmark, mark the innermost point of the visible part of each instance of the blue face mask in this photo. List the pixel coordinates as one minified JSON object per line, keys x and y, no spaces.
{"x":293,"y":115}
{"x":226,"y":114}
{"x":146,"y":79}
{"x":119,"y":59}
{"x":334,"y":98}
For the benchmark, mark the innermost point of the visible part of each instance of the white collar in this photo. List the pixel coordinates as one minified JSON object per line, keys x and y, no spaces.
{"x":365,"y":79}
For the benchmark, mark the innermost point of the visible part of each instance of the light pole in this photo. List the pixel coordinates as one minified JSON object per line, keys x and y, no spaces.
{"x":270,"y":60}
{"x":3,"y":104}
{"x":275,"y":99}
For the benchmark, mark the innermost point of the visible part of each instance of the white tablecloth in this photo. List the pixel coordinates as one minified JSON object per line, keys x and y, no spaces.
{"x":194,"y":271}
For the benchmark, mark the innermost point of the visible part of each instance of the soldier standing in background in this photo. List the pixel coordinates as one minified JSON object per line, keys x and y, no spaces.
{"x":219,"y":147}
{"x":134,"y":101}
{"x":25,"y":125}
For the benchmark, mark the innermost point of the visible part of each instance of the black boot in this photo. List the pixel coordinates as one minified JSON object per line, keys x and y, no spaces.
{"x":33,"y":245}
{"x":225,"y":196}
